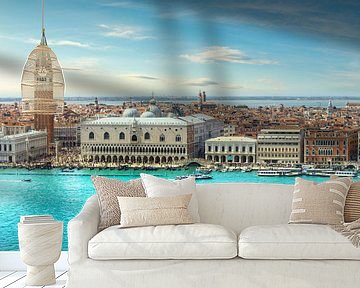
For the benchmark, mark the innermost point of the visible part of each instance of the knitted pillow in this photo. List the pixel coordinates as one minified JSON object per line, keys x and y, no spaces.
{"x":108,"y":190}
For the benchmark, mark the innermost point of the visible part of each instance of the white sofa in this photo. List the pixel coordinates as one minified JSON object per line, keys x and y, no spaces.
{"x":249,"y":221}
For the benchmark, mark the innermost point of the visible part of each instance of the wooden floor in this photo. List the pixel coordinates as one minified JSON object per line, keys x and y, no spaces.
{"x":16,"y":279}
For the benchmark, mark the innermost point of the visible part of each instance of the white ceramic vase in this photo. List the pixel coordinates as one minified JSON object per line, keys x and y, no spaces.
{"x":40,"y":247}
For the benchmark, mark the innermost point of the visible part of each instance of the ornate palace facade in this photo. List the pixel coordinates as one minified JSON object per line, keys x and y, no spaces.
{"x":137,"y":140}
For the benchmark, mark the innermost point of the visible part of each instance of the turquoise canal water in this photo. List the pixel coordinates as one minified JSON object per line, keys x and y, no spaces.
{"x":62,"y":194}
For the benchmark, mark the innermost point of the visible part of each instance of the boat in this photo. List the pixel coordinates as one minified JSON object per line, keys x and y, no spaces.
{"x":197,"y":177}
{"x":149,"y":168}
{"x":203,"y":170}
{"x":67,"y":170}
{"x":280,"y":172}
{"x":26,"y":180}
{"x":346,"y":173}
{"x":319,"y":172}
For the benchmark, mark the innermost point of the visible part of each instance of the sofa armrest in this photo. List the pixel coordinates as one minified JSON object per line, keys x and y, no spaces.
{"x":81,"y":229}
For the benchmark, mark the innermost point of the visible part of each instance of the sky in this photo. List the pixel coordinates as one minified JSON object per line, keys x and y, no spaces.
{"x":176,"y":48}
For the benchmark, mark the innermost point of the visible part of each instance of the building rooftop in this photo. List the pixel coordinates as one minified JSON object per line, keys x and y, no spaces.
{"x":232,"y":139}
{"x":203,"y":117}
{"x":163,"y":121}
{"x":21,"y":135}
{"x":192,"y":119}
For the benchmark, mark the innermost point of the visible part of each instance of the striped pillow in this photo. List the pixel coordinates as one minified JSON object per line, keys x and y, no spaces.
{"x":319,"y":203}
{"x":352,"y":203}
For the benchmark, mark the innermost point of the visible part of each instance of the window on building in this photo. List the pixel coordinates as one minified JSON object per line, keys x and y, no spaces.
{"x":237,"y":148}
{"x":230,"y":148}
{"x":243,"y":148}
{"x":178,"y":138}
{"x":250,"y":149}
{"x":162,"y":138}
{"x":91,"y":136}
{"x":216,"y":148}
{"x":122,"y":136}
{"x":147,"y":136}
{"x":209,"y":148}
{"x":134,"y":138}
{"x":222,"y":148}
{"x":106,"y":136}
{"x":10,"y":147}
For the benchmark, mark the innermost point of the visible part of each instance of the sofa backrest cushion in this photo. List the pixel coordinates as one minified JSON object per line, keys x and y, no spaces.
{"x":240,"y":205}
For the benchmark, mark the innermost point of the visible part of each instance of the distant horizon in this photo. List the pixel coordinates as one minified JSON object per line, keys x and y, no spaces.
{"x":209,"y":97}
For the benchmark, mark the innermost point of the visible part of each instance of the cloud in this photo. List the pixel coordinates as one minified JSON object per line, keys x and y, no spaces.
{"x":178,"y":14}
{"x":125,"y":32}
{"x":232,"y":86}
{"x":335,"y":20}
{"x":84,"y":64}
{"x":68,"y":43}
{"x":145,"y":77}
{"x":125,"y":4}
{"x":11,"y":65}
{"x":225,"y":54}
{"x":347,"y":75}
{"x":201,"y":82}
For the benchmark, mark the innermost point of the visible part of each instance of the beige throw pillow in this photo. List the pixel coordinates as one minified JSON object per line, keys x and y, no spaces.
{"x":138,"y":211}
{"x":352,"y":203}
{"x":108,"y":190}
{"x":319,"y":203}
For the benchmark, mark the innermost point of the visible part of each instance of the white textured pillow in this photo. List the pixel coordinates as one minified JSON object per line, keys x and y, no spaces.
{"x":144,"y":211}
{"x":159,"y":187}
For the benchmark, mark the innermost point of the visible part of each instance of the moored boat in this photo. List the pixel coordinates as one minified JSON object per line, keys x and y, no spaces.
{"x":197,"y":177}
{"x":346,"y":173}
{"x":280,"y":172}
{"x":319,"y":172}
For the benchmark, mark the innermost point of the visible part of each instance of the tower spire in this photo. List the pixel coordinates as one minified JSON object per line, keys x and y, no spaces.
{"x":43,"y":37}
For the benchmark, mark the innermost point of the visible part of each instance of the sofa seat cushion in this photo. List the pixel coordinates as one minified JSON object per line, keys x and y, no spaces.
{"x":191,"y":241}
{"x":295,"y":241}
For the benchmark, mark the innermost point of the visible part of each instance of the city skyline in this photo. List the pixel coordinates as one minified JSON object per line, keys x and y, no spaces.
{"x":128,"y":48}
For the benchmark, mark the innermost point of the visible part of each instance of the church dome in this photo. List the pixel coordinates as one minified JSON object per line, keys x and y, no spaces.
{"x":152,"y":101}
{"x":148,"y":114}
{"x":156,"y":110}
{"x":130,"y":112}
